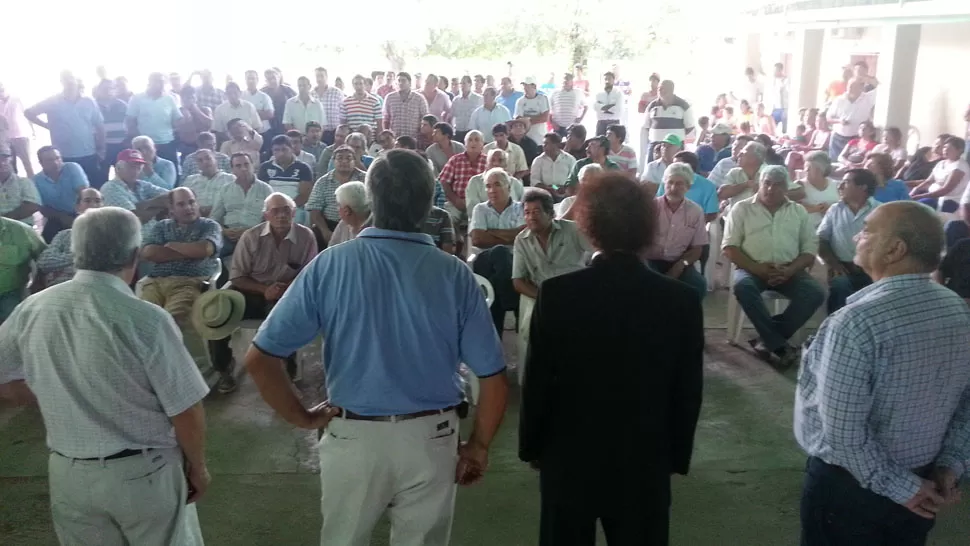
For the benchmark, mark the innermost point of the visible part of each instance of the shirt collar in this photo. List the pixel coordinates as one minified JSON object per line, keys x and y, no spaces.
{"x":896,"y":282}
{"x":290,"y":235}
{"x":87,"y":276}
{"x":377,"y":233}
{"x":556,"y":226}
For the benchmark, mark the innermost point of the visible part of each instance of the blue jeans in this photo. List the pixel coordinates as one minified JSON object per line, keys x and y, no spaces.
{"x":690,"y":276}
{"x":949,"y":205}
{"x":843,"y":286}
{"x":804,"y":293}
{"x":837,"y":511}
{"x":837,"y":143}
{"x":8,"y":302}
{"x":778,"y":114}
{"x":955,"y":230}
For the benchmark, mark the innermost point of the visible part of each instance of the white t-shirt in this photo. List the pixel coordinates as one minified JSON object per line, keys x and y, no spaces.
{"x":749,"y":91}
{"x":855,"y":112}
{"x":899,"y":154}
{"x":941,"y":173}
{"x":526,"y":107}
{"x":614,"y":97}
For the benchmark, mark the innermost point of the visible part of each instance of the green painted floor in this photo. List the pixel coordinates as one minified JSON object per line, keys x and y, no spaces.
{"x":743,"y":488}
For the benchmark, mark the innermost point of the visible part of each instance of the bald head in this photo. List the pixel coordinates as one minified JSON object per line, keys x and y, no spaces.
{"x":88,"y":198}
{"x":900,"y":237}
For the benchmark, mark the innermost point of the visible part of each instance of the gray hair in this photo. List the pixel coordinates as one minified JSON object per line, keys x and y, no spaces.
{"x":472,"y":133}
{"x":400,"y":187}
{"x":503,"y":176}
{"x":105,"y":239}
{"x":775,"y":173}
{"x":920,"y":228}
{"x":820,"y":160}
{"x":139,"y":140}
{"x":591,"y":169}
{"x":757,"y":148}
{"x":682,"y":170}
{"x":289,"y":200}
{"x":356,"y":136}
{"x":353,"y":195}
{"x":500,"y":152}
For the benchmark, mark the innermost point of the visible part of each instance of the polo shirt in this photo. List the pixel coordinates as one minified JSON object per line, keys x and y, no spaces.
{"x":286,"y":180}
{"x":677,"y":230}
{"x":258,"y":257}
{"x":893,"y":190}
{"x":526,"y":107}
{"x":356,"y":111}
{"x":156,"y":116}
{"x":297,"y":114}
{"x":509,"y":101}
{"x":14,"y":191}
{"x":237,"y":208}
{"x":62,"y":194}
{"x":169,"y":231}
{"x":552,"y":172}
{"x":323,"y":198}
{"x":72,"y":124}
{"x":420,"y":309}
{"x":703,"y":192}
{"x":114,"y":112}
{"x":840,"y":226}
{"x":565,"y":252}
{"x":439,"y":226}
{"x":485,"y":217}
{"x":19,"y":245}
{"x":226,"y":112}
{"x":483,"y":120}
{"x":765,"y":237}
{"x":262,"y":102}
{"x":206,"y":189}
{"x":677,"y":119}
{"x":565,"y":106}
{"x":573,"y":179}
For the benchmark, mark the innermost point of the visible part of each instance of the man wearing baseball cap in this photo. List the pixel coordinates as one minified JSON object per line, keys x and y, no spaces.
{"x":597,"y":149}
{"x":653,"y":176}
{"x":718,"y":149}
{"x":534,"y":108}
{"x":144,"y":199}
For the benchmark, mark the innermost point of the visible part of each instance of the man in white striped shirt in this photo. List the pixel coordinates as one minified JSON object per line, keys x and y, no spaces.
{"x":462,"y":108}
{"x":568,"y":106}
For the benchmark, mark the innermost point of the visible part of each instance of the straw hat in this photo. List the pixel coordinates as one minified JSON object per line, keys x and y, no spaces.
{"x":217,"y":313}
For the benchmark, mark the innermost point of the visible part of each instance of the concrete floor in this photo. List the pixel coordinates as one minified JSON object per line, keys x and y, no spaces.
{"x":743,"y":488}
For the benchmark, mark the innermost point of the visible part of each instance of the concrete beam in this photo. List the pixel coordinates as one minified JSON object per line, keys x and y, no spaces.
{"x":896,"y":73}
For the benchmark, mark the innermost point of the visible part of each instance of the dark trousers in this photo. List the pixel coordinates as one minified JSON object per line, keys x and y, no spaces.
{"x":571,"y":505}
{"x":256,"y":308}
{"x":52,"y":226}
{"x":322,"y":244}
{"x":495,"y":264}
{"x":843,"y":286}
{"x":837,"y":143}
{"x":602,"y":124}
{"x":328,"y":136}
{"x":690,"y":276}
{"x":837,"y":511}
{"x":949,"y":205}
{"x":91,"y":165}
{"x":168,"y":151}
{"x":780,"y":115}
{"x":955,"y":230}
{"x":561,"y":131}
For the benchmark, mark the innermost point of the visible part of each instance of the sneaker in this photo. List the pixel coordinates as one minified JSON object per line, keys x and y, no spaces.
{"x":226,"y":384}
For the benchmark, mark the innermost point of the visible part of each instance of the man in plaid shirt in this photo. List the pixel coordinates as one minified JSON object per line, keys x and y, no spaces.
{"x":332,"y":100}
{"x":208,"y":95}
{"x":883,"y":400}
{"x":456,"y":173}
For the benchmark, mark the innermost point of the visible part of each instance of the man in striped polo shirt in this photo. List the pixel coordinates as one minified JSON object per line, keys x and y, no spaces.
{"x":361,"y":108}
{"x":568,"y":106}
{"x":669,"y":114}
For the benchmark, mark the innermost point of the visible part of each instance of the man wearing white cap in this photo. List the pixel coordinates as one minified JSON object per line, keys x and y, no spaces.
{"x":535,"y":108}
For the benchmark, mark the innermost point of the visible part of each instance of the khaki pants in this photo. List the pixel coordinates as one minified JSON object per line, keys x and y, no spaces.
{"x":135,"y":500}
{"x":177,"y":295}
{"x":406,"y":468}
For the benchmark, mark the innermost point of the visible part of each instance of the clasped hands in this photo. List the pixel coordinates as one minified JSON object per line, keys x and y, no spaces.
{"x":942,"y":489}
{"x":774,"y":274}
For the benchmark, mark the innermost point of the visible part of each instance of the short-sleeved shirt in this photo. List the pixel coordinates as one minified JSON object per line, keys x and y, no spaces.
{"x":462,"y":109}
{"x":62,"y":194}
{"x":164,"y":174}
{"x":565,"y":252}
{"x":72,"y":124}
{"x":206,"y":189}
{"x":459,"y":170}
{"x":677,"y":230}
{"x":440,"y":105}
{"x":737,"y":176}
{"x":297,"y":114}
{"x":285,"y":180}
{"x":531,"y":107}
{"x":169,"y":231}
{"x":438,"y":156}
{"x":356,"y":111}
{"x":566,"y":105}
{"x":279,"y":96}
{"x":892,"y":190}
{"x":94,"y":326}
{"x":421,"y":310}
{"x":516,"y":156}
{"x":440,"y":227}
{"x":332,"y":100}
{"x":156,"y":116}
{"x":258,"y":257}
{"x":114,"y":112}
{"x":322,"y":197}
{"x":552,"y":172}
{"x":19,"y":245}
{"x":236,"y":208}
{"x":840,"y":226}
{"x":486,"y":217}
{"x":56,"y":262}
{"x":262,"y":102}
{"x":509,"y":101}
{"x":484,"y":120}
{"x":703,"y":192}
{"x":626,"y":158}
{"x":14,"y":191}
{"x":573,"y":179}
{"x":226,"y":112}
{"x":476,"y":192}
{"x":404,"y":114}
{"x":770,"y":238}
{"x":190,"y":164}
{"x":118,"y":194}
{"x":942,"y":172}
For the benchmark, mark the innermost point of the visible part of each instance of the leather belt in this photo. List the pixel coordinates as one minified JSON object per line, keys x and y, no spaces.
{"x":119,"y":455}
{"x":344,"y":414}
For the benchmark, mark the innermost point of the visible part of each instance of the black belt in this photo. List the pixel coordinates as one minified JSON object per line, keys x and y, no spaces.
{"x":394,"y":418}
{"x":119,"y":455}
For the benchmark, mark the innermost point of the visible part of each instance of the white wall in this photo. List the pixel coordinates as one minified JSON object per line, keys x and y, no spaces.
{"x":942,"y":87}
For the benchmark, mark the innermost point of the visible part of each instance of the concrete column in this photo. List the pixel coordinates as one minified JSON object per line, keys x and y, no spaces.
{"x":752,"y":53}
{"x":803,"y":74}
{"x":896,"y":71}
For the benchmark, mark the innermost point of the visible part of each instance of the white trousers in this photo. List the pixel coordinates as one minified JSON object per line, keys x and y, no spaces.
{"x":406,"y":468}
{"x":135,"y":500}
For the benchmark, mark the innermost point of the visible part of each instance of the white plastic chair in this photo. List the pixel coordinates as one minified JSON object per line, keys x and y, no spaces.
{"x":470,"y":378}
{"x":714,"y":236}
{"x":526,"y":305}
{"x":736,"y":317}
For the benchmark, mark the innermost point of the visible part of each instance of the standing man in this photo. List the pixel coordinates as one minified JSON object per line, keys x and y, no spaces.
{"x":113,"y":112}
{"x":59,"y":185}
{"x":847,"y":113}
{"x":439,"y":105}
{"x":777,"y":97}
{"x":14,"y":124}
{"x":397,"y":397}
{"x":234,"y":108}
{"x":361,"y":108}
{"x":567,"y":106}
{"x":882,"y":406}
{"x":751,"y":88}
{"x":668,"y":114}
{"x":387,"y":86}
{"x":208,"y":95}
{"x":262,"y":102}
{"x":488,"y":114}
{"x":508,"y":95}
{"x":332,"y":101}
{"x":304,"y":108}
{"x":463,"y":106}
{"x":140,"y":425}
{"x":76,"y":126}
{"x":154,"y":114}
{"x":404,"y":109}
{"x":279,"y":93}
{"x":608,"y":105}
{"x":535,"y":108}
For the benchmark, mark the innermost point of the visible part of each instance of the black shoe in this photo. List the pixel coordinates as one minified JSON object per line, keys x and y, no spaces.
{"x":790,"y":357}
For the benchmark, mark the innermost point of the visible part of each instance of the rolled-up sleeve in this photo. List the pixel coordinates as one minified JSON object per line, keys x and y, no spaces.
{"x":294,"y":321}
{"x":478,"y":220}
{"x":171,"y":370}
{"x":519,"y":268}
{"x":478,"y":344}
{"x":212,"y":232}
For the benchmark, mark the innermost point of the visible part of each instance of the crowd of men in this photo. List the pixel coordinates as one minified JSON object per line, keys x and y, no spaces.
{"x":221,"y":202}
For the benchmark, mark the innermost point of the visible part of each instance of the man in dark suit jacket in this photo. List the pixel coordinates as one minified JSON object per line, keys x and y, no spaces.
{"x":613,"y":381}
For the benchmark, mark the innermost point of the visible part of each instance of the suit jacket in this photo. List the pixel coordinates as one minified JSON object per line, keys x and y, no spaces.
{"x":614,"y":370}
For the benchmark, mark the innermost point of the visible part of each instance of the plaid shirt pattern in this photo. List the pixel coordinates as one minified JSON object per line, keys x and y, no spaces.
{"x":168,"y":231}
{"x":322,"y":195}
{"x":405,"y":115}
{"x":885,"y":386}
{"x":333,"y":102}
{"x":210,"y":97}
{"x":459,"y":170}
{"x":190,"y":164}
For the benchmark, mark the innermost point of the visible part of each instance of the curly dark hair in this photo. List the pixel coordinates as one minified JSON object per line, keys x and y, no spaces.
{"x":616,"y":213}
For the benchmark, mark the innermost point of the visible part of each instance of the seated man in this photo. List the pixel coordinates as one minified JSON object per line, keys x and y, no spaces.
{"x":21,"y":245}
{"x":653,"y":174}
{"x":354,"y":211}
{"x":239,"y":206}
{"x":551,"y":169}
{"x":326,"y":156}
{"x":56,"y":263}
{"x":565,"y":208}
{"x":703,"y":192}
{"x":596,"y":154}
{"x":771,"y":241}
{"x":322,"y":204}
{"x":18,"y":195}
{"x":518,"y":168}
{"x":681,"y":230}
{"x":58,"y":185}
{"x":144,"y":199}
{"x":312,"y":142}
{"x":475,"y":192}
{"x":837,"y":232}
{"x":296,"y":142}
{"x":156,"y":170}
{"x":741,"y":182}
{"x":184,"y":251}
{"x":207,"y":183}
{"x":493,"y":228}
{"x":456,"y":173}
{"x":285,"y":173}
{"x":267,"y":259}
{"x":443,"y":147}
{"x":206,"y":141}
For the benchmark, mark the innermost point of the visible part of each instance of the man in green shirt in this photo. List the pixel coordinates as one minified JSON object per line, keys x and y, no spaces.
{"x":596,"y":150}
{"x":19,"y":246}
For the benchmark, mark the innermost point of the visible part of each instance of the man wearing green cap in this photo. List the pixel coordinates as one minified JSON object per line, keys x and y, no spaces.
{"x":653,"y":174}
{"x":596,"y":150}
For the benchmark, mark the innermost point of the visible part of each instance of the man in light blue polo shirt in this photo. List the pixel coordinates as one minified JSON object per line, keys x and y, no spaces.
{"x":76,"y":126}
{"x":58,"y":185}
{"x":153,"y":114}
{"x":399,"y":315}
